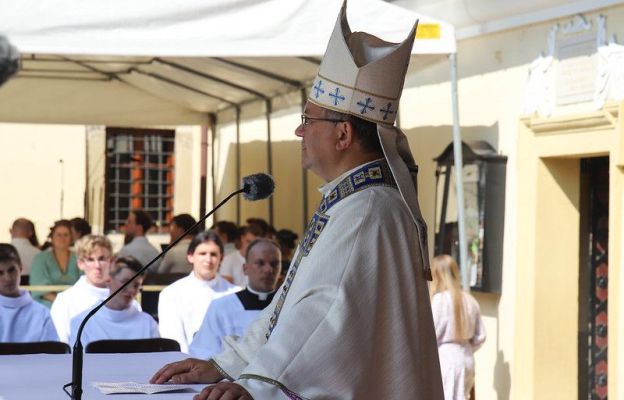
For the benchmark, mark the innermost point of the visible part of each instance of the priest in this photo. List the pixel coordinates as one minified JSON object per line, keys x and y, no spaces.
{"x":352,"y":319}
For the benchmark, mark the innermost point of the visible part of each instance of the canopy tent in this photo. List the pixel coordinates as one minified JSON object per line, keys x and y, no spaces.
{"x":156,"y":62}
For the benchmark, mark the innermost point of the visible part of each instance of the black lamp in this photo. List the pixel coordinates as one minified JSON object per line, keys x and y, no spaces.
{"x":483,"y":178}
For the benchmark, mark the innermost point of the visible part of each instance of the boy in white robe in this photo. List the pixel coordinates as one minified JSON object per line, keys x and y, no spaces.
{"x":94,"y":253}
{"x":118,"y":319}
{"x":183,"y":304}
{"x":230,"y":315}
{"x":353,"y":317}
{"x":21,"y":318}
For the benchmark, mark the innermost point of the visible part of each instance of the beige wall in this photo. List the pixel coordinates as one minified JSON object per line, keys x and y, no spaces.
{"x":30,"y":162}
{"x":34,"y":178}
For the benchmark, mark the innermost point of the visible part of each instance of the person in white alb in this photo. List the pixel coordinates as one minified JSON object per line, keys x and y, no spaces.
{"x":183,"y":304}
{"x":230,"y":315}
{"x":21,"y":231}
{"x":353,"y":318}
{"x":94,"y":253}
{"x":137,"y":225}
{"x":21,"y":318}
{"x":459,"y":328}
{"x":118,"y":319}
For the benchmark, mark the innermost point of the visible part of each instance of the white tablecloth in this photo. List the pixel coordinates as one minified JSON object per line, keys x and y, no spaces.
{"x":42,"y":376}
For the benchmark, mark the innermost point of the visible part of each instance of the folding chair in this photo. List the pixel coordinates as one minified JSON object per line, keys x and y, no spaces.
{"x":152,"y":345}
{"x":50,"y":347}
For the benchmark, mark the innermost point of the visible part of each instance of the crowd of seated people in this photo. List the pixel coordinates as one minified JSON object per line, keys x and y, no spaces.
{"x":225,"y":276}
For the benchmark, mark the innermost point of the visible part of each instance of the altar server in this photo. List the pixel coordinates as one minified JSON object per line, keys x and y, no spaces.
{"x":230,"y":315}
{"x":21,"y":318}
{"x":94,"y":257}
{"x":118,"y":319}
{"x":183,"y":304}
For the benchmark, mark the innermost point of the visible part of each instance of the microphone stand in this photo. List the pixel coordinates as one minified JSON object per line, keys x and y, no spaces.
{"x":77,"y":355}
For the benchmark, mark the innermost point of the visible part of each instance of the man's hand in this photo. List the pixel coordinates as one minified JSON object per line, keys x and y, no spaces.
{"x":224,"y":391}
{"x":190,"y":370}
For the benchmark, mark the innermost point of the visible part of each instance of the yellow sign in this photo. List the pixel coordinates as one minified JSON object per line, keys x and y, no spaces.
{"x":428,"y":31}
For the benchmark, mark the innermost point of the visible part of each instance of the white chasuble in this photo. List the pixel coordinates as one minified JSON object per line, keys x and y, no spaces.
{"x":356,"y":322}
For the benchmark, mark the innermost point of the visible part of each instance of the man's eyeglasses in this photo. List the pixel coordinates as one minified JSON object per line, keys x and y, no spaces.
{"x":306,"y":119}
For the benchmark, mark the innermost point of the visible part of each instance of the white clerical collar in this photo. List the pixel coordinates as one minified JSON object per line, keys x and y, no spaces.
{"x":262,"y":296}
{"x":16,"y":302}
{"x":329,"y":186}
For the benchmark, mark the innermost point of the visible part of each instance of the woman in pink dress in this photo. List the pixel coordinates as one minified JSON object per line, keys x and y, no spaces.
{"x":459,"y":328}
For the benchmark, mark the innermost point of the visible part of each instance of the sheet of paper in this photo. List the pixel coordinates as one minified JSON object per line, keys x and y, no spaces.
{"x":134,"y":387}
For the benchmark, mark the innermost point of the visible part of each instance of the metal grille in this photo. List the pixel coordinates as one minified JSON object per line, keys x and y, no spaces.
{"x":594,"y":325}
{"x":139,"y":175}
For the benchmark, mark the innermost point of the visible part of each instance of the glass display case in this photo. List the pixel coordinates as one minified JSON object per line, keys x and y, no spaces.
{"x":483,"y":178}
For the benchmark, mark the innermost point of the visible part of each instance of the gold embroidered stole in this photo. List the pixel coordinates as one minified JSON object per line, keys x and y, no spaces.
{"x":376,"y":173}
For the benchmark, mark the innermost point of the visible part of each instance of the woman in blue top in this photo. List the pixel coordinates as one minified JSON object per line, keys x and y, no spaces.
{"x":57,"y":265}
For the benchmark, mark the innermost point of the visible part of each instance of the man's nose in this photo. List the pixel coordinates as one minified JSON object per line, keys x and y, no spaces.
{"x":299,"y":130}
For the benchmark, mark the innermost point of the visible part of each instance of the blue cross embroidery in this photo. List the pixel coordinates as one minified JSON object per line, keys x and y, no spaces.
{"x":337,"y":97}
{"x":386,"y":111}
{"x":366,"y":106}
{"x":318,"y":88}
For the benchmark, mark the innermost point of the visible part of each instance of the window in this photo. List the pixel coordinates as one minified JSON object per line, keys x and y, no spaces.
{"x":139,"y":174}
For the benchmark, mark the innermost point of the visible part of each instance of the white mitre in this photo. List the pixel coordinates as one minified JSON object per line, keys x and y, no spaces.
{"x":363,"y":75}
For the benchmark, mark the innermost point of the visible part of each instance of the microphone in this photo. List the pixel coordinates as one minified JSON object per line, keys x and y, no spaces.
{"x":253,"y":187}
{"x":258,"y":187}
{"x":9,"y":60}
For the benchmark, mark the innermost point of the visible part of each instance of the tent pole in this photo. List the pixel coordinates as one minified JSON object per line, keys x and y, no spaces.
{"x":269,"y":110}
{"x":459,"y":184}
{"x":238,"y":164}
{"x":203,"y":149}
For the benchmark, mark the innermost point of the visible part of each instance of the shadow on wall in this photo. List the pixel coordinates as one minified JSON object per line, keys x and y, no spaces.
{"x":501,"y":373}
{"x":502,"y":377}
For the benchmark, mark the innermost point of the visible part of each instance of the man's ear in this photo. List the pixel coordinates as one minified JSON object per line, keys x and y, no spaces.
{"x":346,"y":135}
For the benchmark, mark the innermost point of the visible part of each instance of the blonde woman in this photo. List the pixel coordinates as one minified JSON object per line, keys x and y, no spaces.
{"x":459,"y":329}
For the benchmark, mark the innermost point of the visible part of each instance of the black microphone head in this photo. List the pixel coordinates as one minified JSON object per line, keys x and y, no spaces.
{"x":9,"y":60}
{"x":258,"y":186}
